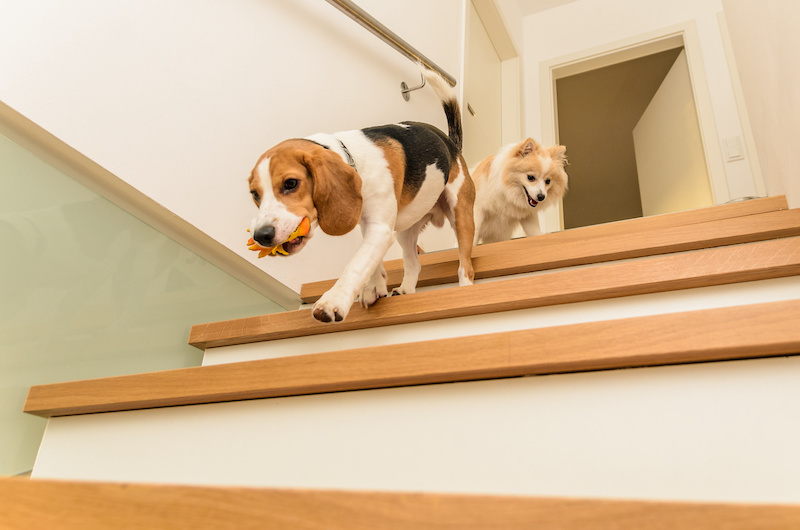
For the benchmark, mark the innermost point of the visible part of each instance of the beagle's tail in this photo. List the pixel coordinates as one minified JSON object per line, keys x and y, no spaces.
{"x":450,"y":104}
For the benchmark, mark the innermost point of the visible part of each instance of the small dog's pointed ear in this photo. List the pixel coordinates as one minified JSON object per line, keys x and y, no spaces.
{"x":527,"y":147}
{"x":337,"y":191}
{"x":558,"y":153}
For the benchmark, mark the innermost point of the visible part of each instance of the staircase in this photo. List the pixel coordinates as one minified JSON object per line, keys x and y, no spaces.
{"x":431,"y":393}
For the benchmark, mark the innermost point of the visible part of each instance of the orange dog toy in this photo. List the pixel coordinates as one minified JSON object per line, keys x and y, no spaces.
{"x":302,"y":230}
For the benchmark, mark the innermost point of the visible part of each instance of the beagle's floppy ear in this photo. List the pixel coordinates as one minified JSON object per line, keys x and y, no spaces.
{"x":337,"y":191}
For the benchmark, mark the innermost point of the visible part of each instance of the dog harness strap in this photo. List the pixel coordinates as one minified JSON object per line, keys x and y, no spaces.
{"x":348,"y":157}
{"x":350,"y":161}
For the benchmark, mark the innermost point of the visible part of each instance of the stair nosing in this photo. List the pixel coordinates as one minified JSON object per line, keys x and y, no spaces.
{"x":589,"y":346}
{"x":43,"y":503}
{"x":742,"y":262}
{"x":310,"y":292}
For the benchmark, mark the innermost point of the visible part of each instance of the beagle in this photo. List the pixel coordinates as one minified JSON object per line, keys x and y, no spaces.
{"x":392,"y":180}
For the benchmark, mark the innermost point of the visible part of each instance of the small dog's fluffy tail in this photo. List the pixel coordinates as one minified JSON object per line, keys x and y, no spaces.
{"x":449,"y":102}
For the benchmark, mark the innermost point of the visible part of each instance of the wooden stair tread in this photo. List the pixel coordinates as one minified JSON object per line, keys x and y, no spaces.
{"x":750,"y":331}
{"x":62,"y":505}
{"x":715,"y":266}
{"x":98,"y":505}
{"x":441,"y":267}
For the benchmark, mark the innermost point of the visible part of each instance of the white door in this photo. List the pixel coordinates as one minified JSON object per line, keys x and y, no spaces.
{"x":669,"y":150}
{"x":483,"y":92}
{"x":481,"y":113}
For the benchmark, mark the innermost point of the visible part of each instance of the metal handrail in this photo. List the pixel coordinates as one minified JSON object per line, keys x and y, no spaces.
{"x":388,"y":36}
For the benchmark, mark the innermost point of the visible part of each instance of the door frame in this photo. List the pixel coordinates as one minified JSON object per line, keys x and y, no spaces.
{"x":685,"y":35}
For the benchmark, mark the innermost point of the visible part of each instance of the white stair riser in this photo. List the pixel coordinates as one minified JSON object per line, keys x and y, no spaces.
{"x":650,"y":304}
{"x":724,"y":431}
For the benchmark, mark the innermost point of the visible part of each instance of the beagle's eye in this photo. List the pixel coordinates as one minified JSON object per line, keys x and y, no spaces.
{"x":547,"y":181}
{"x":531,"y":178}
{"x":256,"y":196}
{"x":290,"y":184}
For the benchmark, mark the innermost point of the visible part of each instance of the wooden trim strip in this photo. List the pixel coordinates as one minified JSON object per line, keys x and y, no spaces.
{"x":625,"y":239}
{"x":68,"y":505}
{"x":730,"y":264}
{"x":708,"y":335}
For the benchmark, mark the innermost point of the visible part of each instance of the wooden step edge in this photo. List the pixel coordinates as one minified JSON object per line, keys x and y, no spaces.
{"x":607,"y":242}
{"x":626,"y":226}
{"x":715,"y":266}
{"x":707,"y":335}
{"x":68,"y":505}
{"x":311,"y":291}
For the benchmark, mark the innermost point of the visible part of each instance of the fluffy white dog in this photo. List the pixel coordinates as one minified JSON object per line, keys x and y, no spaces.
{"x":513,"y":186}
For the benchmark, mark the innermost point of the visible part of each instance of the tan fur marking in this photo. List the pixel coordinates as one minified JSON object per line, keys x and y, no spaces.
{"x":395,"y":158}
{"x":286,"y":161}
{"x":465,"y":221}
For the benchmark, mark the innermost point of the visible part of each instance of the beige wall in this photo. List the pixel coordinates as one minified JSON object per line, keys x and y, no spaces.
{"x":766,"y":44}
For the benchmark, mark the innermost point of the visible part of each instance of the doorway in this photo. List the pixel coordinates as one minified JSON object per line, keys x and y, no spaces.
{"x":636,"y":120}
{"x":628,"y":127}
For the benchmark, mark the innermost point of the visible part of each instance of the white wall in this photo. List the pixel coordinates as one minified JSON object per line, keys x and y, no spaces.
{"x":511,"y":15}
{"x":765,"y":42}
{"x":180,"y":98}
{"x":586,"y":24}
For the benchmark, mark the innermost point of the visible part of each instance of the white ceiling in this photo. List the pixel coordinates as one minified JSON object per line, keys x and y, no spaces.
{"x":534,"y":6}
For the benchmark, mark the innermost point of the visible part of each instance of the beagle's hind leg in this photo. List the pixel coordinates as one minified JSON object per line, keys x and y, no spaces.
{"x":464,"y":229}
{"x":459,"y":211}
{"x":411,"y":267}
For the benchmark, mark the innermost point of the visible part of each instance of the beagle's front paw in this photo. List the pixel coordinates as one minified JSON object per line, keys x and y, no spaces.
{"x":332,"y":307}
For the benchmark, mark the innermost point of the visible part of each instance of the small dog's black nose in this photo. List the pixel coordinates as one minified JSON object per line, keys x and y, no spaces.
{"x":264,"y":235}
{"x":540,"y":197}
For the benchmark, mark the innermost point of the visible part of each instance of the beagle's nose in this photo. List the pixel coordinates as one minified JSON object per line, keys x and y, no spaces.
{"x":540,"y":197}
{"x":264,"y":235}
